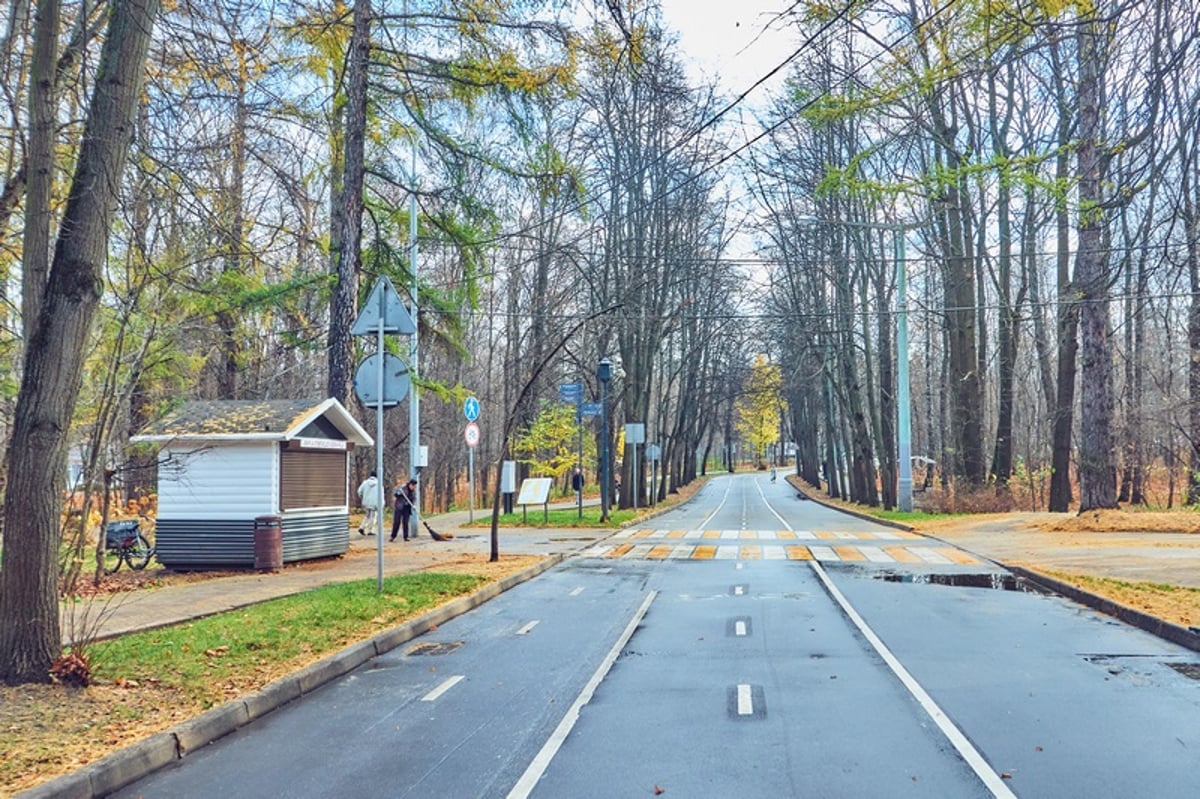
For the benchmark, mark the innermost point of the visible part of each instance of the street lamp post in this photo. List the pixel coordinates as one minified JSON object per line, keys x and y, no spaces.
{"x":604,"y":374}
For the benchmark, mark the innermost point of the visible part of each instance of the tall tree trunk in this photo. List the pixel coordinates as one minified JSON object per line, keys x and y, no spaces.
{"x":1097,"y":456}
{"x":43,"y":137}
{"x":30,"y":638}
{"x":1063,"y":417}
{"x":344,"y":302}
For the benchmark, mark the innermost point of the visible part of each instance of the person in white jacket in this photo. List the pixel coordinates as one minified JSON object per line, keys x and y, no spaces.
{"x":368,"y":497}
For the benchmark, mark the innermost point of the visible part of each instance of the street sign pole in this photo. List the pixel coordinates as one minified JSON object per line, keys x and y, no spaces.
{"x":379,"y":449}
{"x":579,"y":463}
{"x":471,"y":484}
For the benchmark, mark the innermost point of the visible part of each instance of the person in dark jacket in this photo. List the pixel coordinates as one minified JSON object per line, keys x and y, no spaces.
{"x":406,"y":497}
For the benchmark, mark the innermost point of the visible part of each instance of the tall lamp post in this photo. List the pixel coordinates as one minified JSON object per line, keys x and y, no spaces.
{"x":604,"y":374}
{"x":904,"y":494}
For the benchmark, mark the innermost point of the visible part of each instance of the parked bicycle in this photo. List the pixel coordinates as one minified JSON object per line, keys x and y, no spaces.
{"x":124,"y":542}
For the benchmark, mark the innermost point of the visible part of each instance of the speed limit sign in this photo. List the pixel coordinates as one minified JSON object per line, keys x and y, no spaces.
{"x":471,"y":434}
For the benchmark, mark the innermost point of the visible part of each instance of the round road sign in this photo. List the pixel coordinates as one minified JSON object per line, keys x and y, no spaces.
{"x":471,"y":409}
{"x":471,"y":434}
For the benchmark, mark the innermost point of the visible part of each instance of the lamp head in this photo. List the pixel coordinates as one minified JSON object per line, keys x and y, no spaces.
{"x":604,"y":370}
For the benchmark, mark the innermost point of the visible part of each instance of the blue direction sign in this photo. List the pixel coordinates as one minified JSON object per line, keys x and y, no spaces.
{"x":471,"y":409}
{"x":570,"y":393}
{"x":590,"y":408}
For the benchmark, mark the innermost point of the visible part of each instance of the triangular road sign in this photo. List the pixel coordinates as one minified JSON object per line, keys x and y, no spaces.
{"x":384,"y":302}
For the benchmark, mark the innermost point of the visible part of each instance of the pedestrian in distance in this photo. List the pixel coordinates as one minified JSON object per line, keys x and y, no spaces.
{"x":577,"y":481}
{"x":406,"y":497}
{"x":368,"y":497}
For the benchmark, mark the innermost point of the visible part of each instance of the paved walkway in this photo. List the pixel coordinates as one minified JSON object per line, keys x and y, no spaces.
{"x":1013,"y":539}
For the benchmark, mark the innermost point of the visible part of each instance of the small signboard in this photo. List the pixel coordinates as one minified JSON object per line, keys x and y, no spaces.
{"x":395,"y":380}
{"x":471,"y":409}
{"x":383,"y":304}
{"x":653,"y":452}
{"x":471,"y":435}
{"x":570,"y":393}
{"x":591,"y":408}
{"x":535,"y":491}
{"x":635,"y":432}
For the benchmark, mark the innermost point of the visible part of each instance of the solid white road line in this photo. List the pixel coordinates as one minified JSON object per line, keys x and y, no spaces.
{"x":525,"y":630}
{"x":541,"y":761}
{"x":443,"y":688}
{"x":969,"y":753}
{"x":576,"y":591}
{"x":745,"y":704}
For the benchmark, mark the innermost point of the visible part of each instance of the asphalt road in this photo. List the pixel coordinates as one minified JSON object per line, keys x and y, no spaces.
{"x":749,"y":645}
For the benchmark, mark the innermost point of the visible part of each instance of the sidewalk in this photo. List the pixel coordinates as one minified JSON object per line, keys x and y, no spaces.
{"x":1015,"y":540}
{"x":159,"y":607}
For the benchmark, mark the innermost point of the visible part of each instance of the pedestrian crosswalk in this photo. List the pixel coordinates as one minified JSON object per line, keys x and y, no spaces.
{"x":820,"y":545}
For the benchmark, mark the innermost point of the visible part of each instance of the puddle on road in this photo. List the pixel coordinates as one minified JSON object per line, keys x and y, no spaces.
{"x":997,"y":581}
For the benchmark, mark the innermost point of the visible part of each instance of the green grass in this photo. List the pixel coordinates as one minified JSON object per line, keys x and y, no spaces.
{"x":910,"y":516}
{"x":193,"y":655}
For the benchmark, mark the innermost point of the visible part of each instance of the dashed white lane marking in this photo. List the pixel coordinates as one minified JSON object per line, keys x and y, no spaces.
{"x":739,"y":628}
{"x":739,"y":590}
{"x":443,"y":688}
{"x":576,"y":591}
{"x":739,"y":565}
{"x":525,"y":630}
{"x":969,"y":753}
{"x":745,"y":704}
{"x":541,"y":761}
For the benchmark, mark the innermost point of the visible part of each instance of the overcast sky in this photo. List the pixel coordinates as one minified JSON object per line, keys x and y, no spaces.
{"x":734,"y":38}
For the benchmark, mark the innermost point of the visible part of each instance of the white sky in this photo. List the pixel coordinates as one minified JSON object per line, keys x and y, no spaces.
{"x":733,"y":38}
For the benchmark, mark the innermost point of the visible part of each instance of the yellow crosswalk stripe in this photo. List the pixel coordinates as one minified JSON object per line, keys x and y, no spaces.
{"x":660,"y":552}
{"x":902,"y":555}
{"x":824,"y":536}
{"x":712,"y":534}
{"x":799,"y":553}
{"x":676,"y":534}
{"x":788,"y":534}
{"x":619,"y":551}
{"x":704,"y":552}
{"x":849,"y":553}
{"x":751,"y":552}
{"x":957,"y":555}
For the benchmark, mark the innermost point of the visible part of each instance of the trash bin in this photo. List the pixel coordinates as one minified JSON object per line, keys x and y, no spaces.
{"x":268,"y":543}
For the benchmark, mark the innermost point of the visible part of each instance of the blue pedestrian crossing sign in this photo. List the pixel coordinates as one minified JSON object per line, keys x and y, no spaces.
{"x":471,"y":409}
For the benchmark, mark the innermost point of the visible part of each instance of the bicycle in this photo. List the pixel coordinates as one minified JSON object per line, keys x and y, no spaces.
{"x":124,"y":542}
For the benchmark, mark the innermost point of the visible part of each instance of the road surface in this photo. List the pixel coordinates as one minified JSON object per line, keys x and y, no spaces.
{"x":749,"y":644}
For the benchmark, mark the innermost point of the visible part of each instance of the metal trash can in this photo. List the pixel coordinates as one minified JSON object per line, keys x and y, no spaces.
{"x":268,"y":543}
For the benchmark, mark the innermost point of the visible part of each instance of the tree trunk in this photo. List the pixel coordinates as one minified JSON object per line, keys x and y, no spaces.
{"x":1063,"y":416}
{"x":344,"y":301}
{"x":30,"y":638}
{"x":1097,"y":456}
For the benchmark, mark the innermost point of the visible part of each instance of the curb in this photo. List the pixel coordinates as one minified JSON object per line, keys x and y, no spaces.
{"x":1174,"y":633}
{"x":866,"y":517}
{"x":131,"y":763}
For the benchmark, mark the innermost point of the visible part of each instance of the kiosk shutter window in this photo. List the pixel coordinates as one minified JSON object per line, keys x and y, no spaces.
{"x":312,"y":479}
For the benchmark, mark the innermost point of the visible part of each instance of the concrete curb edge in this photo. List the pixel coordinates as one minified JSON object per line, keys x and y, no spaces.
{"x":866,"y":517}
{"x":1151,"y":624}
{"x":131,"y":763}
